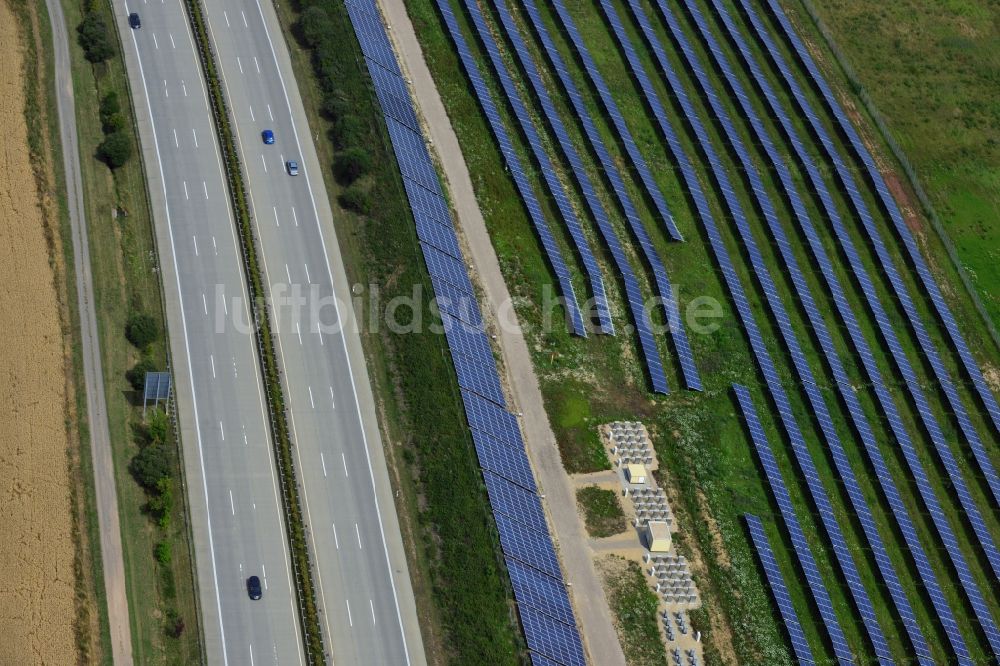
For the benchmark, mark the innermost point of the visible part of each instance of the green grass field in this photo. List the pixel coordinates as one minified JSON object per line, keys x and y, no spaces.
{"x":698,"y":436}
{"x":602,"y":511}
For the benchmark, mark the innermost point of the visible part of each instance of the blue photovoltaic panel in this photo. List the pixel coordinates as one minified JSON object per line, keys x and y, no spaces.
{"x":456,"y":303}
{"x":519,"y":504}
{"x":590,"y":265}
{"x":449,"y":269}
{"x":481,"y":380}
{"x":541,"y":660}
{"x":489,"y":418}
{"x":654,"y":363}
{"x":816,"y":319}
{"x":928,"y":495}
{"x":913,"y":251}
{"x":521,"y":181}
{"x":552,"y":638}
{"x":433,"y":233}
{"x":543,"y":593}
{"x":802,"y":551}
{"x":900,"y":512}
{"x":508,"y":462}
{"x":804,"y":458}
{"x":467,"y":340}
{"x":664,"y":289}
{"x":528,"y":546}
{"x":780,"y":592}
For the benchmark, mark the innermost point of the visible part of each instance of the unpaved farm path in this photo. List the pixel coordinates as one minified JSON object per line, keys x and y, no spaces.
{"x":37,"y":611}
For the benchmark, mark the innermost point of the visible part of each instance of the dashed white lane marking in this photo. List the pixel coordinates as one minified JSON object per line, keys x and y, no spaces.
{"x":372,"y":606}
{"x":333,"y":403}
{"x":322,"y":462}
{"x":211,"y":358}
{"x":288,"y":274}
{"x":177,"y":144}
{"x":166,"y":90}
{"x":216,"y":248}
{"x":245,"y":24}
{"x":222,"y":432}
{"x":336,"y":541}
{"x":306,"y":266}
{"x":184,"y":88}
{"x":344,"y":459}
{"x":246,"y":442}
{"x":257,"y":64}
{"x":298,"y":331}
{"x":263,"y":574}
{"x":250,"y":109}
{"x":311,"y":401}
{"x":264,"y":162}
{"x":251,"y":654}
{"x":357,"y":531}
{"x":172,"y":45}
{"x":276,"y":220}
{"x":232,"y":505}
{"x":194,"y":239}
{"x":237,"y":374}
{"x":156,"y":44}
{"x":186,"y":190}
{"x":224,"y":14}
{"x":204,"y":302}
{"x":204,"y":187}
{"x":194,"y":134}
{"x":238,"y":62}
{"x":349,"y":620}
{"x":295,"y":217}
{"x":270,"y":115}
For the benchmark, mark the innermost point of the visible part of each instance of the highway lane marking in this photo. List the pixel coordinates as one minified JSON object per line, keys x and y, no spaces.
{"x":177,"y":144}
{"x":166,"y":90}
{"x":225,"y":308}
{"x":172,"y":45}
{"x":288,"y":273}
{"x":238,"y":62}
{"x":204,"y":186}
{"x":245,"y":442}
{"x":344,"y":458}
{"x":232,"y":505}
{"x":194,"y":239}
{"x":257,"y":64}
{"x":245,"y":24}
{"x":276,"y":220}
{"x":314,"y":407}
{"x":336,"y":542}
{"x":357,"y":531}
{"x":264,"y":162}
{"x":270,"y":115}
{"x":222,"y":431}
{"x":250,"y":109}
{"x":211,"y":358}
{"x":227,"y":18}
{"x":333,"y":403}
{"x":204,"y":302}
{"x":237,"y":374}
{"x":295,"y":217}
{"x":298,"y":331}
{"x":184,"y":88}
{"x":216,"y":248}
{"x":251,"y":653}
{"x":186,"y":190}
{"x":322,"y":461}
{"x":263,"y":574}
{"x":306,"y":266}
{"x":349,"y":620}
{"x":372,"y":606}
{"x":194,"y":133}
{"x":156,"y":44}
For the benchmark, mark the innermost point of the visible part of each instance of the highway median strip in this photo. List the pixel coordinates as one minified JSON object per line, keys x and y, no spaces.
{"x":294,"y":524}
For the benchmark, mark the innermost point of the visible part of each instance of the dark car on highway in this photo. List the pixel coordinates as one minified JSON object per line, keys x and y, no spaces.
{"x":133,"y":21}
{"x":253,"y":588}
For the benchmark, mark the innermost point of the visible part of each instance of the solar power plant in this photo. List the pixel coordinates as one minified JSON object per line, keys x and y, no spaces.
{"x":899,"y":287}
{"x":816,"y":400}
{"x":647,"y":341}
{"x":524,"y":187}
{"x":926,"y":279}
{"x":858,"y":417}
{"x":802,"y":551}
{"x":689,"y":370}
{"x":779,"y":590}
{"x":546,"y":614}
{"x":485,"y":97}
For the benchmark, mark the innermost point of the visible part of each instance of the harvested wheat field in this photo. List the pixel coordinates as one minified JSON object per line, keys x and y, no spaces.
{"x":37,"y":612}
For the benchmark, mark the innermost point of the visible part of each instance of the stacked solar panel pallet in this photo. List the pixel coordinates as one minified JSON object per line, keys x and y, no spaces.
{"x":543,"y":602}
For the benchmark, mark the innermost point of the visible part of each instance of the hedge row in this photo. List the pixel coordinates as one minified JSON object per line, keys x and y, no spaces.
{"x":301,"y":568}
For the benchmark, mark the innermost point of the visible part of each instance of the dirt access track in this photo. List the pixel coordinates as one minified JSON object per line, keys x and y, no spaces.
{"x":37,"y":609}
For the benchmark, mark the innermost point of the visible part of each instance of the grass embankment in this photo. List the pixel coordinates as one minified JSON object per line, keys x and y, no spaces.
{"x":699,"y":437}
{"x":461,"y":589}
{"x":602,"y":512}
{"x":42,"y":118}
{"x":123,"y":260}
{"x":635,"y":607}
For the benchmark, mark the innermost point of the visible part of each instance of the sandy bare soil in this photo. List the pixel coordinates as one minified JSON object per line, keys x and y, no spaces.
{"x":37,"y":612}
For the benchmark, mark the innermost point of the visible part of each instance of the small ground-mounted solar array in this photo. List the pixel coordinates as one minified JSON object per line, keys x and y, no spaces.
{"x":543,"y":601}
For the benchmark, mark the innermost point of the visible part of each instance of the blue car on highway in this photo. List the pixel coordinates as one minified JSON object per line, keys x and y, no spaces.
{"x":268,"y":136}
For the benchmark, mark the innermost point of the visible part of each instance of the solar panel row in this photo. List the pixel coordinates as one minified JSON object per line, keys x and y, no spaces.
{"x":926,"y":278}
{"x":485,"y":97}
{"x":689,"y":370}
{"x":779,"y":590}
{"x":546,"y":613}
{"x":802,"y":550}
{"x":647,"y":341}
{"x":816,"y":319}
{"x":804,"y":458}
{"x":900,"y":512}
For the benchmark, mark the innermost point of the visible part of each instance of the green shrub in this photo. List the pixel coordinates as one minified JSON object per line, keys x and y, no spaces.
{"x":351,"y":164}
{"x":95,"y":38}
{"x":137,"y":375}
{"x":357,"y":199}
{"x":151,"y":466}
{"x":163,"y":552}
{"x":141,"y":329}
{"x":314,"y":25}
{"x":161,"y":503}
{"x":116,"y":149}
